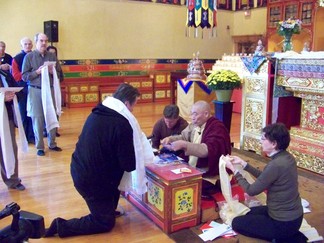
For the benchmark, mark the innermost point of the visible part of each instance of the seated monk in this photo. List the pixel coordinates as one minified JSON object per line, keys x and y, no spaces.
{"x":204,"y":141}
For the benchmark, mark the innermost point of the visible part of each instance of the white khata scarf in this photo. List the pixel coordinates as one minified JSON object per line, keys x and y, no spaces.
{"x":47,"y":101}
{"x":233,"y":207}
{"x":196,"y":139}
{"x":136,"y":179}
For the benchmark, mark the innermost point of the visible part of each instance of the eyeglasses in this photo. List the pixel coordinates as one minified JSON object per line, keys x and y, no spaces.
{"x":263,"y":138}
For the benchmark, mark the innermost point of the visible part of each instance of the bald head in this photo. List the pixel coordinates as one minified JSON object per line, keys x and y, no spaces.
{"x":200,"y":112}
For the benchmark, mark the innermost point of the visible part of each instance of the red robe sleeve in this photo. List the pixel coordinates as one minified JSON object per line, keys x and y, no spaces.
{"x":217,"y":139}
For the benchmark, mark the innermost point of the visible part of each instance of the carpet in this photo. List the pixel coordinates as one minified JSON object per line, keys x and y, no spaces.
{"x":311,"y":187}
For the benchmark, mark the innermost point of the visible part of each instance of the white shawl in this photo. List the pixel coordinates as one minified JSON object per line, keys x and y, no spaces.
{"x":5,"y":136}
{"x":47,"y":101}
{"x":135,"y":180}
{"x":233,"y":208}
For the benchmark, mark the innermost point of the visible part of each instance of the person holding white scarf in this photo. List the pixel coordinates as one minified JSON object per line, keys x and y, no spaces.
{"x":8,"y":144}
{"x":280,"y":219}
{"x":44,"y":95}
{"x":109,"y":157}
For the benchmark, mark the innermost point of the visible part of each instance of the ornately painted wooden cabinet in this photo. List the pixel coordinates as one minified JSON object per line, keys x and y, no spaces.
{"x":307,"y":11}
{"x":172,"y":201}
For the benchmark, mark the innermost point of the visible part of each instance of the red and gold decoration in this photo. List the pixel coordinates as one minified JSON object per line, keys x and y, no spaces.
{"x":202,"y":14}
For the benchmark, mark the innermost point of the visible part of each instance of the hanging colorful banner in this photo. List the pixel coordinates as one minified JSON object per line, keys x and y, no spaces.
{"x":201,"y":13}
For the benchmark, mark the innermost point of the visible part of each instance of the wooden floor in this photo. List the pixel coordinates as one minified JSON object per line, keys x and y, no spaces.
{"x":50,"y":191}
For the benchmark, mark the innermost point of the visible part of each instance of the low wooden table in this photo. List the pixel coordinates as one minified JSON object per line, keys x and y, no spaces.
{"x":172,"y":200}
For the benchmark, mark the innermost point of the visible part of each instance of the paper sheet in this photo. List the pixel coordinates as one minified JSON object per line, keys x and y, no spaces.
{"x":10,"y":89}
{"x":215,"y":232}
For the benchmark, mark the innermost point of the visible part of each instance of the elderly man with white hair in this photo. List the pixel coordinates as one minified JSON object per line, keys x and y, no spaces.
{"x":40,"y":71}
{"x":26,"y":45}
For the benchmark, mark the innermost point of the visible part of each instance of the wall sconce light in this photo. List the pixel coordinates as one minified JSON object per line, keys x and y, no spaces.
{"x":247,"y":11}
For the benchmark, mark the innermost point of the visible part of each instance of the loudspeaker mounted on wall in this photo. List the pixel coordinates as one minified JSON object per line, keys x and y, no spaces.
{"x":51,"y":30}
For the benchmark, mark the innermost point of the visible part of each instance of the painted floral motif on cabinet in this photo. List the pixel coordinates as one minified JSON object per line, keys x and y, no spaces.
{"x":155,"y":196}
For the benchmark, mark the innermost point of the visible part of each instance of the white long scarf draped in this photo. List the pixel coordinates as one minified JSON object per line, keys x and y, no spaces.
{"x":135,"y":180}
{"x":234,"y":208}
{"x":5,"y":136}
{"x":50,"y":113}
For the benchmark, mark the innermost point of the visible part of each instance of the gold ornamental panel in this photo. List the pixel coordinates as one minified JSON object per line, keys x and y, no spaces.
{"x":105,"y":95}
{"x":74,"y":89}
{"x":160,"y":94}
{"x":168,"y":78}
{"x":312,"y":114}
{"x":91,"y":97}
{"x":93,"y":88}
{"x":301,"y":83}
{"x":160,"y":79}
{"x":307,"y":94}
{"x":307,"y":148}
{"x":168,"y":93}
{"x":135,"y":84}
{"x":252,"y":144}
{"x":76,"y":98}
{"x":146,"y":96}
{"x":311,"y":135}
{"x":84,"y":88}
{"x":308,"y":162}
{"x":253,"y":115}
{"x":147,"y":84}
{"x":255,"y":85}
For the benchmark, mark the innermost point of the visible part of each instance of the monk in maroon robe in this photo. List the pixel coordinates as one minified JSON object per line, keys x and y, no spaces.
{"x":204,"y":141}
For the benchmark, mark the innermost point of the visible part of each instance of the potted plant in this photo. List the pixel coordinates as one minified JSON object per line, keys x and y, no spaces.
{"x":223,"y":82}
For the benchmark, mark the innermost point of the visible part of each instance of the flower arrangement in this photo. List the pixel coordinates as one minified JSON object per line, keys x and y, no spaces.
{"x":223,"y":80}
{"x":289,"y":27}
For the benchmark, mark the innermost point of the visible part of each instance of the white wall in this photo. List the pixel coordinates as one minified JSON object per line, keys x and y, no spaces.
{"x":106,"y":29}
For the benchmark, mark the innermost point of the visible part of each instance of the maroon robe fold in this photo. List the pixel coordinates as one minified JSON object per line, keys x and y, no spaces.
{"x":217,"y":139}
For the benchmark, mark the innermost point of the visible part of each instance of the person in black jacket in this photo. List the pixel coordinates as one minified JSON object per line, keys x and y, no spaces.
{"x":13,"y":182}
{"x":105,"y":150}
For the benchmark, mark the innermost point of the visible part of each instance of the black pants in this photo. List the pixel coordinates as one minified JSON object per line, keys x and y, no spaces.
{"x":258,"y":224}
{"x":26,"y":121}
{"x":102,"y":206}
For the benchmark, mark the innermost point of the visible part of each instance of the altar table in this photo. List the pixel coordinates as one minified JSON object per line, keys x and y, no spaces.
{"x":172,"y":201}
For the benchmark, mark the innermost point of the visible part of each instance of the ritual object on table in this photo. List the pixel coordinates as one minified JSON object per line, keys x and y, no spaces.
{"x":196,"y":68}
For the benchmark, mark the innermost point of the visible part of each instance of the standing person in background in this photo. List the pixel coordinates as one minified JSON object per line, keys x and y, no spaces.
{"x":17,"y":62}
{"x":38,"y":69}
{"x":281,"y":218}
{"x":8,"y":144}
{"x":170,"y":124}
{"x":5,"y":58}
